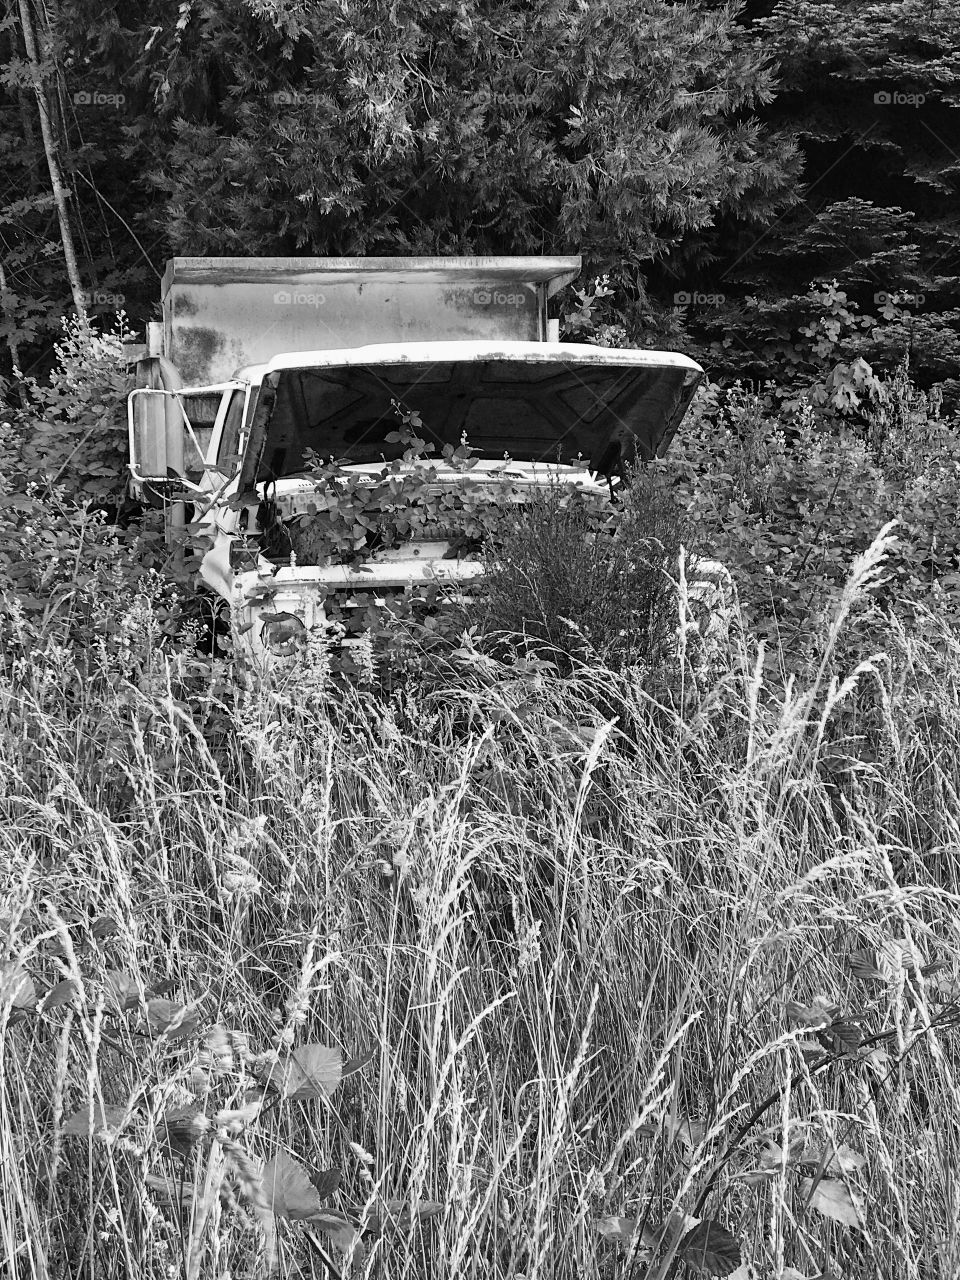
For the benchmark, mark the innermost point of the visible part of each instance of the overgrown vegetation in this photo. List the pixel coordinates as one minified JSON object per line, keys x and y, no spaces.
{"x":570,"y":574}
{"x":588,"y":982}
{"x":559,"y":942}
{"x":622,"y":964}
{"x":771,"y":185}
{"x":586,"y":581}
{"x":787,"y":500}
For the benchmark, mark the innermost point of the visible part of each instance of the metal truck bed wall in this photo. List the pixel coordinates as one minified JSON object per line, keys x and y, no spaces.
{"x":220,"y":314}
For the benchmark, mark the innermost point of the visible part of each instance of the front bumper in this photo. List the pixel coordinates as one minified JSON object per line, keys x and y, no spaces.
{"x":274,"y":613}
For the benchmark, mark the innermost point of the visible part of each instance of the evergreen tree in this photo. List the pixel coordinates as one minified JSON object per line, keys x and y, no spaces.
{"x":614,"y":128}
{"x":866,"y":262}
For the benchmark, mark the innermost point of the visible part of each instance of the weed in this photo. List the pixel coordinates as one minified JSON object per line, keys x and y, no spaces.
{"x":580,"y":581}
{"x":263,"y":1008}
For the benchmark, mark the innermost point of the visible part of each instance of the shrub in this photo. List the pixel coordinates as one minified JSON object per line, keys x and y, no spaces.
{"x":567,"y":572}
{"x":787,"y":503}
{"x":71,"y":432}
{"x":582,"y":579}
{"x":70,"y":578}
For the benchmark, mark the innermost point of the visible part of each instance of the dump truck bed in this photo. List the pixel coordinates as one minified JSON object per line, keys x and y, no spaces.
{"x":220,"y":314}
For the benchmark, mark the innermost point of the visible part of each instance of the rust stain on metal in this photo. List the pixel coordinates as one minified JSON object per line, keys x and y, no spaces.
{"x":197,"y":349}
{"x":186,"y":304}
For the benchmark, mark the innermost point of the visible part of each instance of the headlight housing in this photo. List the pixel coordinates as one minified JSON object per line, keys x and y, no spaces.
{"x":283,"y":634}
{"x":244,"y":555}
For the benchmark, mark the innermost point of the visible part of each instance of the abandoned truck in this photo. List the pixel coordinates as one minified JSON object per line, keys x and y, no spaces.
{"x":263,"y":366}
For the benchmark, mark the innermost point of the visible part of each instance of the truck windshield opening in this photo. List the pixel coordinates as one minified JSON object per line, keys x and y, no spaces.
{"x":573,"y":413}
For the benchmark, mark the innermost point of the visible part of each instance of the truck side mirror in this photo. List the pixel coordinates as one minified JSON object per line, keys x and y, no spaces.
{"x":157,"y":429}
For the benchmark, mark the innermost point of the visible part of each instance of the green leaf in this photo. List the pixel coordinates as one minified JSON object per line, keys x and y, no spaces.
{"x":819,"y":1014}
{"x":312,"y":1071}
{"x":710,"y":1249}
{"x":121,"y":989}
{"x":104,"y":1121}
{"x":170,"y":1019}
{"x":104,"y":927}
{"x":398,"y":1213}
{"x":171,"y":1191}
{"x":833,"y":1199}
{"x":290,"y":1194}
{"x":288,"y":1190}
{"x":181,"y":1128}
{"x":16,"y":987}
{"x":326,"y":1182}
{"x":59,"y":995}
{"x":862,"y":964}
{"x":353,"y":1065}
{"x":338,"y":1228}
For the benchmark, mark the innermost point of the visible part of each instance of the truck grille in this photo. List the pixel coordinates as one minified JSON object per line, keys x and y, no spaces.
{"x":380,"y":614}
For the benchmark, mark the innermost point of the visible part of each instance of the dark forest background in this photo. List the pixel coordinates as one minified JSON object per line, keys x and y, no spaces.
{"x":770,"y":187}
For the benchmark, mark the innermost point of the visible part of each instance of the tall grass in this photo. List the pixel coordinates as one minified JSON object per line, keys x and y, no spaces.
{"x":625,"y":959}
{"x":580,"y":579}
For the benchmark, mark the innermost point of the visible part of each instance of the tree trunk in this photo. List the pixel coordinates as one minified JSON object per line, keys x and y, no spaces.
{"x":60,"y":193}
{"x":12,"y":340}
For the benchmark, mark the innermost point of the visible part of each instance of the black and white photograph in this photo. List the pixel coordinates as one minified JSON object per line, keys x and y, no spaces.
{"x":480,"y":640}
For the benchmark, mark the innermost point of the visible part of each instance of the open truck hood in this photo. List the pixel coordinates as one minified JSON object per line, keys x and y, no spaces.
{"x":536,"y":402}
